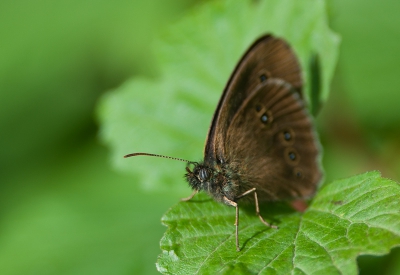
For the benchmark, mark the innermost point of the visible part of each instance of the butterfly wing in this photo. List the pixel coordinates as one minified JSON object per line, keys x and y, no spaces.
{"x":272,"y":145}
{"x":268,"y":57}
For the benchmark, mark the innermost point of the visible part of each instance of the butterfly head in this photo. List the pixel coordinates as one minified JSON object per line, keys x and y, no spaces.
{"x":198,"y":175}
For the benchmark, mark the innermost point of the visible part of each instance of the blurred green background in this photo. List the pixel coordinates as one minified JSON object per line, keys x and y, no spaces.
{"x":64,"y":210}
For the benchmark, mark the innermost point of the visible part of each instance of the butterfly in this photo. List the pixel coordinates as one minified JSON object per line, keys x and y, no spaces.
{"x":261,"y":145}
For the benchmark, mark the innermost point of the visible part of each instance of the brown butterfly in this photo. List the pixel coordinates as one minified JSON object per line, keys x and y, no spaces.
{"x":261,"y":140}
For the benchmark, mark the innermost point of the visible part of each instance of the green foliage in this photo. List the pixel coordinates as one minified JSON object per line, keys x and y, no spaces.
{"x":347,"y":218}
{"x":369,"y":66}
{"x":62,"y":208}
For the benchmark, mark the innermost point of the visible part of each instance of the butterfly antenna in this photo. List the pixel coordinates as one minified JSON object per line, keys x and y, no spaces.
{"x":154,"y":155}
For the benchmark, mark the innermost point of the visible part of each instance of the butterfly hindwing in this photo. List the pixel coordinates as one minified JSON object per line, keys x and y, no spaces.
{"x":272,"y":141}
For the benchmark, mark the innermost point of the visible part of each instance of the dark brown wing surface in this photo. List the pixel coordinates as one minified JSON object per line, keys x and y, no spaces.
{"x":268,"y":57}
{"x":272,"y":142}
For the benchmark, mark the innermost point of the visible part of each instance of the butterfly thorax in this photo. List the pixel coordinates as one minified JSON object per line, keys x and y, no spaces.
{"x":219,"y":181}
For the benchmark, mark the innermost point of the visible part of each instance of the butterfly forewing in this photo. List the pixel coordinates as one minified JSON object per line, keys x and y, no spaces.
{"x":272,"y":145}
{"x":268,"y":57}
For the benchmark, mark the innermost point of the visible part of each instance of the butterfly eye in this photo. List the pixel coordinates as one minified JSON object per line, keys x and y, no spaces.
{"x":203,"y":174}
{"x":258,"y":108}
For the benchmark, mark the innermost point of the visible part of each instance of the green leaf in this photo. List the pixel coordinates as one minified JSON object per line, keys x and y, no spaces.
{"x":171,"y":115}
{"x":349,"y":217}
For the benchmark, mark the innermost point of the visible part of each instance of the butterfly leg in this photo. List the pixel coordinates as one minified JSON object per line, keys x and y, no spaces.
{"x":253,"y":190}
{"x":190,"y":197}
{"x":234,"y":204}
